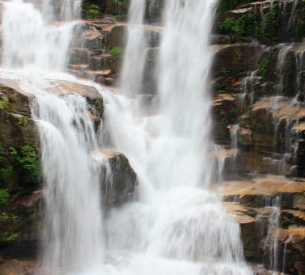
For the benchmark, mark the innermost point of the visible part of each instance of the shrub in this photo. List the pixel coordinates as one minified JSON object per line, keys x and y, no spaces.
{"x":116,"y":51}
{"x":4,"y":196}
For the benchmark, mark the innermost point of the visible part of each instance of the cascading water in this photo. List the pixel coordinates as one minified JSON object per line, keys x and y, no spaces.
{"x":177,"y":226}
{"x":72,"y":233}
{"x":33,"y":37}
{"x":131,"y":77}
{"x":36,"y":36}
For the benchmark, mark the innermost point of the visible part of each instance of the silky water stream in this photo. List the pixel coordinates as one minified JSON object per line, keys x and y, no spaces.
{"x":176,"y":225}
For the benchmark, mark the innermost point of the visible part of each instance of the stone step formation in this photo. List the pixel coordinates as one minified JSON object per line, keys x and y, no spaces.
{"x":259,"y":114}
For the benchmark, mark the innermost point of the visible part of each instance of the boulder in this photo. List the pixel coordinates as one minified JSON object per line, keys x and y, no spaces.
{"x":119,"y":180}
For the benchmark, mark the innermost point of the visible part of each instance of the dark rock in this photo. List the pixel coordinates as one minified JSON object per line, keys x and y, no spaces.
{"x":119,"y":181}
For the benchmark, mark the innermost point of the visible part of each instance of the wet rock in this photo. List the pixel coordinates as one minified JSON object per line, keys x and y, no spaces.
{"x":235,"y":58}
{"x":18,"y":267}
{"x":225,"y":111}
{"x":263,"y":20}
{"x":19,"y":139}
{"x":119,"y":181}
{"x":256,"y":193}
{"x":250,"y":230}
{"x":19,"y":223}
{"x":254,"y":210}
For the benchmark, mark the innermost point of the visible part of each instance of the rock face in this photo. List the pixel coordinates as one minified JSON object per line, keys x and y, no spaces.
{"x":258,"y":86}
{"x":271,"y":215}
{"x":258,"y":108}
{"x":98,"y":54}
{"x":118,"y":181}
{"x":18,"y":267}
{"x":21,"y":198}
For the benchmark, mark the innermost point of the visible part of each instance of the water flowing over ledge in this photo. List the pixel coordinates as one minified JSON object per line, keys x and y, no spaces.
{"x":176,"y":225}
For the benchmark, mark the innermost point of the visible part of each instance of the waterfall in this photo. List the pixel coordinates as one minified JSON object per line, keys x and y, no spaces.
{"x":36,"y":36}
{"x":134,"y":58}
{"x":72,"y":232}
{"x":178,"y":225}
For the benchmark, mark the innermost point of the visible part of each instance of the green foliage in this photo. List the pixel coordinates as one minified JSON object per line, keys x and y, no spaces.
{"x":299,"y":30}
{"x":4,"y":102}
{"x":227,"y":25}
{"x":116,"y":51}
{"x":4,"y":196}
{"x":9,"y":218}
{"x":270,"y":24}
{"x":9,"y":237}
{"x":239,"y":55}
{"x":23,"y":121}
{"x":233,"y":112}
{"x":90,"y":10}
{"x":5,"y":167}
{"x":225,"y":72}
{"x":5,"y":172}
{"x":263,"y":66}
{"x":75,"y":60}
{"x":241,"y":26}
{"x":225,"y":5}
{"x":28,"y":163}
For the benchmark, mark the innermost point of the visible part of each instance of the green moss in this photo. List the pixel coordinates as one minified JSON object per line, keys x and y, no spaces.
{"x":241,"y":26}
{"x":116,"y":51}
{"x":225,"y":72}
{"x":4,"y":196}
{"x":23,"y":121}
{"x":98,"y":102}
{"x":75,"y":60}
{"x":5,"y":172}
{"x":239,"y":55}
{"x":27,"y":162}
{"x":9,"y":218}
{"x":270,"y":24}
{"x":4,"y":102}
{"x":233,"y":112}
{"x":263,"y":66}
{"x":299,"y":30}
{"x":225,"y":5}
{"x":149,"y":59}
{"x":5,"y":166}
{"x":9,"y":237}
{"x":90,"y":10}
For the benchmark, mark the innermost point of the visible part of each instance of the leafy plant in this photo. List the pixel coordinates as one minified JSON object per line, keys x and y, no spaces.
{"x":4,"y":196}
{"x":90,"y":11}
{"x":4,"y":102}
{"x":28,"y":163}
{"x":116,"y":51}
{"x":263,"y":66}
{"x":9,"y":237}
{"x":9,"y":218}
{"x":23,"y":121}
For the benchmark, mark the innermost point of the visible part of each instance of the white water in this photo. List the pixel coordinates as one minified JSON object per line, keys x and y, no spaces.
{"x":32,"y":37}
{"x":177,"y":226}
{"x":35,"y":46}
{"x":271,"y":242}
{"x":134,"y":57}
